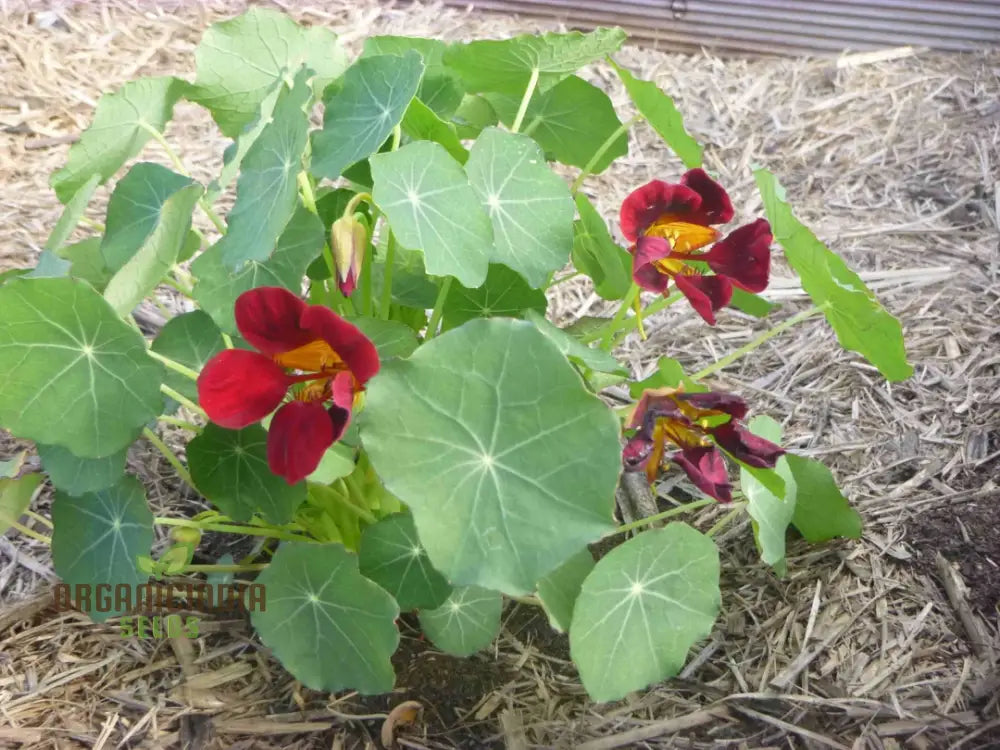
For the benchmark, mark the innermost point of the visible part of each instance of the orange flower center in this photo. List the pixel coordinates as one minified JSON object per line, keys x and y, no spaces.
{"x":316,"y":356}
{"x":683,"y":236}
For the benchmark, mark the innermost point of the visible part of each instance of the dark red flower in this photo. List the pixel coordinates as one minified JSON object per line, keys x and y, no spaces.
{"x":327,"y":359}
{"x":698,"y":424}
{"x":670,"y":224}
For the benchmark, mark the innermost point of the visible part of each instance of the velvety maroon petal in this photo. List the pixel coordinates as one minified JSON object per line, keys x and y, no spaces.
{"x":238,"y":387}
{"x":716,"y":208}
{"x":729,"y":403}
{"x":653,"y":200}
{"x":352,"y":346}
{"x":269,"y":318}
{"x":744,"y":256}
{"x":751,"y":449}
{"x":644,"y":271}
{"x":636,"y":452}
{"x":654,"y":402}
{"x":705,"y":293}
{"x":706,"y":469}
{"x":299,"y":435}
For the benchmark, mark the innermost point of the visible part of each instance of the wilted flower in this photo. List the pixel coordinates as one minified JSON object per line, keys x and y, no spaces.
{"x":698,"y":424}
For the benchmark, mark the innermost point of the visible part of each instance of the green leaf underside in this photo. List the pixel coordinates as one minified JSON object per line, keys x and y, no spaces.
{"x":595,"y":359}
{"x":529,"y":206}
{"x":96,"y":537}
{"x":230,"y":468}
{"x":597,"y":255}
{"x":329,"y":626}
{"x":862,"y":325}
{"x":15,"y":497}
{"x":570,"y":122}
{"x":505,"y":293}
{"x":642,"y":608}
{"x":266,"y":191}
{"x":391,"y":338}
{"x":77,"y":476}
{"x":239,"y":60}
{"x":821,"y":511}
{"x":72,"y":373}
{"x":466,"y":623}
{"x":431,"y":207}
{"x":149,"y":216}
{"x":337,"y":462}
{"x":372,"y":98}
{"x":218,"y":288}
{"x":751,"y":304}
{"x":421,"y":123}
{"x":190,"y":339}
{"x":661,"y":112}
{"x":505,"y":66}
{"x":490,"y":438}
{"x":71,"y":215}
{"x":392,"y":556}
{"x":560,"y":588}
{"x":49,"y":266}
{"x":86,"y":262}
{"x":771,"y":513}
{"x":474,"y":114}
{"x":118,"y":132}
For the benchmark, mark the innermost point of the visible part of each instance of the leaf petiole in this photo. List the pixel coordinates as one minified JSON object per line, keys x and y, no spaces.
{"x":601,"y":150}
{"x":171,"y":457}
{"x":173,"y":365}
{"x":522,"y":110}
{"x":438,"y":308}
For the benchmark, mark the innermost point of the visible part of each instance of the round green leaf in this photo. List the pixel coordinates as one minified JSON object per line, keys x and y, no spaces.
{"x":821,"y":510}
{"x":392,"y":556}
{"x":229,"y":467}
{"x":467,"y":622}
{"x":642,"y":608}
{"x":771,"y":513}
{"x":76,"y":476}
{"x":72,"y":373}
{"x":560,"y":588}
{"x":488,"y":435}
{"x":329,"y":626}
{"x":360,"y":115}
{"x":218,"y":287}
{"x":426,"y":196}
{"x":505,"y":293}
{"x":239,"y":60}
{"x":97,"y":537}
{"x":574,"y":349}
{"x":530,"y":206}
{"x":191,"y":339}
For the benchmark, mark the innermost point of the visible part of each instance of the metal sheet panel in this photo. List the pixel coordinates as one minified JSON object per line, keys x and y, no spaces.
{"x":777,"y":26}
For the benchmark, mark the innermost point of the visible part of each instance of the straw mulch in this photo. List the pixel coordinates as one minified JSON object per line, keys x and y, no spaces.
{"x":894,"y":163}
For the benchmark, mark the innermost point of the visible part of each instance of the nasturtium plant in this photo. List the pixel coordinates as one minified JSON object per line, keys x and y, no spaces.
{"x":366,"y":366}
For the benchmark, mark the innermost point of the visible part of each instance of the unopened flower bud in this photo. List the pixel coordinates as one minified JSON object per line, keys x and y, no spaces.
{"x":348,"y":238}
{"x":185,"y":535}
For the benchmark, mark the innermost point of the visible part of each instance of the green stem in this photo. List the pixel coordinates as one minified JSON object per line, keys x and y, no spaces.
{"x":355,"y":501}
{"x":225,"y":528}
{"x":173,"y":365}
{"x":352,"y":204}
{"x":397,"y":135}
{"x":168,"y":454}
{"x":602,"y":149}
{"x":179,"y":166}
{"x":306,"y":191}
{"x":649,"y":520}
{"x":198,"y":568}
{"x":177,"y":286}
{"x":31,"y":532}
{"x":738,"y":508}
{"x":227,"y":340}
{"x":567,"y":277}
{"x":756,"y":343}
{"x":180,"y":398}
{"x":531,"y":601}
{"x":88,"y":222}
{"x":438,"y":308}
{"x":38,"y":517}
{"x":183,"y":424}
{"x":616,"y":321}
{"x":628,"y":324}
{"x":525,"y":101}
{"x":390,"y":259}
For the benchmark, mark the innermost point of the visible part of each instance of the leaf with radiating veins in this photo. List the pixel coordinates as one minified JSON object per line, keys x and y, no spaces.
{"x":467,"y":622}
{"x":72,"y":373}
{"x":392,"y":556}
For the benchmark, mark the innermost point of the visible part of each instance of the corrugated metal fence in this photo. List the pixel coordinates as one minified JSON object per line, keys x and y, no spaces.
{"x":778,"y":26}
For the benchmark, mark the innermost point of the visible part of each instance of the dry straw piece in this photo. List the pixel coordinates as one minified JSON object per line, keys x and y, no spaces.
{"x":893,"y":160}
